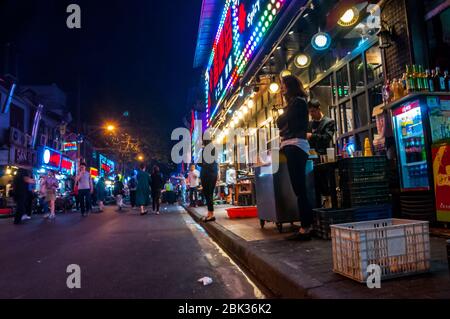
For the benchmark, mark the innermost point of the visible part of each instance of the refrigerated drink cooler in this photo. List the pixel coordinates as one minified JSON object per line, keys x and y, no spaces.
{"x":421,"y":124}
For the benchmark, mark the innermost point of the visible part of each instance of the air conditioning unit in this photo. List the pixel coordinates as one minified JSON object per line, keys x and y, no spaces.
{"x":43,"y":140}
{"x":16,"y":137}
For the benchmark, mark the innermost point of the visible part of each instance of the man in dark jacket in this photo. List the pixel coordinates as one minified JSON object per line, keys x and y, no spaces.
{"x":321,"y":129}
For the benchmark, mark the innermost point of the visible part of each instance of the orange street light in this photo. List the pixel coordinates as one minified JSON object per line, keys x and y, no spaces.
{"x":140,"y":158}
{"x":110,"y":128}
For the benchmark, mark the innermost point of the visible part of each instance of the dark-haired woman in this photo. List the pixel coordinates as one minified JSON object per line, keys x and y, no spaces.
{"x":157,"y":185}
{"x":293,"y":125}
{"x":209,"y":176}
{"x":143,"y":190}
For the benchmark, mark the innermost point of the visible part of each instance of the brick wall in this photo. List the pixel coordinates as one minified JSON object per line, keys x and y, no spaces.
{"x":399,"y":54}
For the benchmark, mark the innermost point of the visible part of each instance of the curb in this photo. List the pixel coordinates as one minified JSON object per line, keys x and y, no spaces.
{"x":280,"y":283}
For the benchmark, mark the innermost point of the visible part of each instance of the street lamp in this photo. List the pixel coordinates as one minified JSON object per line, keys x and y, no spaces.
{"x":110,"y":128}
{"x":141,"y":158}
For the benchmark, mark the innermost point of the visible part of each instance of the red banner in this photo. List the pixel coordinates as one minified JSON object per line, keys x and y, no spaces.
{"x":441,"y":170}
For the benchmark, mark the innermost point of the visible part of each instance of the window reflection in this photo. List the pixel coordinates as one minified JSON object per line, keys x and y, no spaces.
{"x":374,"y":64}
{"x":360,"y":107}
{"x":342,"y":83}
{"x":357,"y":74}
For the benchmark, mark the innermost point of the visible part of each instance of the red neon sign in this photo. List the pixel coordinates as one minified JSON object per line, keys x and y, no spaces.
{"x":222,"y":51}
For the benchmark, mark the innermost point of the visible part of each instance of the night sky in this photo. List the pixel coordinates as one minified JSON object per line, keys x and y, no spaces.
{"x":131,"y":55}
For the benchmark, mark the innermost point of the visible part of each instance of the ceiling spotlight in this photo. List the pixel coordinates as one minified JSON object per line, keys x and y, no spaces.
{"x":321,"y":41}
{"x":244,"y":109}
{"x":350,"y":17}
{"x":302,"y":61}
{"x":250,"y":104}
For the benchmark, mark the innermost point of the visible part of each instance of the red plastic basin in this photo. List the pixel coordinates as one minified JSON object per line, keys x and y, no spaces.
{"x":242,"y":212}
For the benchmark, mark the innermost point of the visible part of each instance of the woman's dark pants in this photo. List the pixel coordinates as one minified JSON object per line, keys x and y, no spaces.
{"x":209,"y":185}
{"x":133,"y":198}
{"x":156,"y":198}
{"x":296,"y":161}
{"x":85,"y":200}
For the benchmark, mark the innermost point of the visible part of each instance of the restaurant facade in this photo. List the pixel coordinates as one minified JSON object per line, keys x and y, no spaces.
{"x":348,"y":55}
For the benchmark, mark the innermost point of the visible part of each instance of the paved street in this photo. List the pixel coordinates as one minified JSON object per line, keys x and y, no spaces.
{"x":121,"y":255}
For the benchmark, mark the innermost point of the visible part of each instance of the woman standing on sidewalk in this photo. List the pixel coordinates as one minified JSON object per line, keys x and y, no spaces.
{"x":157,"y":185}
{"x":209,"y":176}
{"x":143,"y":189}
{"x":119,"y":192}
{"x":293,"y":125}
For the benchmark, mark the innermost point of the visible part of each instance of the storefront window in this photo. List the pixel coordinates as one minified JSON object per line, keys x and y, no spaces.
{"x":342,"y":83}
{"x":360,"y":139}
{"x":324,"y":93}
{"x":374,"y":64}
{"x":357,"y":74}
{"x":346,"y":117}
{"x":375,"y":98}
{"x":360,"y":108}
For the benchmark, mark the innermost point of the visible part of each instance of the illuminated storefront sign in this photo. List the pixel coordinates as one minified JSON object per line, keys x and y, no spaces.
{"x":67,"y":166}
{"x":70,"y":146}
{"x":94,"y":172}
{"x":243,"y":26}
{"x":106,"y":166}
{"x":50,"y":159}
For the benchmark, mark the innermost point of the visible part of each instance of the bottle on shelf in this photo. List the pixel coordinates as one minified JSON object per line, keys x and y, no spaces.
{"x":441,"y":79}
{"x":423,"y":78}
{"x":410,"y":83}
{"x":436,"y":80}
{"x":447,"y":80}
{"x":417,"y":78}
{"x":430,"y":79}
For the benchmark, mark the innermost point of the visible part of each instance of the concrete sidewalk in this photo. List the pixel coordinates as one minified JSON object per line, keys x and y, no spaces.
{"x":304,"y":269}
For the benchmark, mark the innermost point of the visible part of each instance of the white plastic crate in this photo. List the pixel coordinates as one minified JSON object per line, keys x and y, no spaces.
{"x":400,"y":247}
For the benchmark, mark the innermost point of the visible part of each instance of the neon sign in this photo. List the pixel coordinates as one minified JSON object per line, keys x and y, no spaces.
{"x":67,"y":166}
{"x":243,"y":26}
{"x":70,"y":146}
{"x":51,"y":159}
{"x":106,"y":166}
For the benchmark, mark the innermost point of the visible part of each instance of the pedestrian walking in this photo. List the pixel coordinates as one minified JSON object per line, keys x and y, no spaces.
{"x":21,"y":183}
{"x":143,"y":189}
{"x":118,"y":192}
{"x":51,"y":186}
{"x":85,"y":189}
{"x":182,"y":180}
{"x":194,"y":182}
{"x":293,"y":125}
{"x":42,"y":195}
{"x":156,"y":185}
{"x":132,"y":186}
{"x":209,"y":177}
{"x":101,"y":193}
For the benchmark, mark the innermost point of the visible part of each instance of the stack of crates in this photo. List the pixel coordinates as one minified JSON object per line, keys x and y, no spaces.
{"x":364,"y":181}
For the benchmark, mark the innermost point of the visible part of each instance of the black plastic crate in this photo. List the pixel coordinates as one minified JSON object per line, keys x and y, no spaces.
{"x":362,"y":214}
{"x":359,"y":201}
{"x":363,"y":163}
{"x":363,"y":169}
{"x":325,"y":217}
